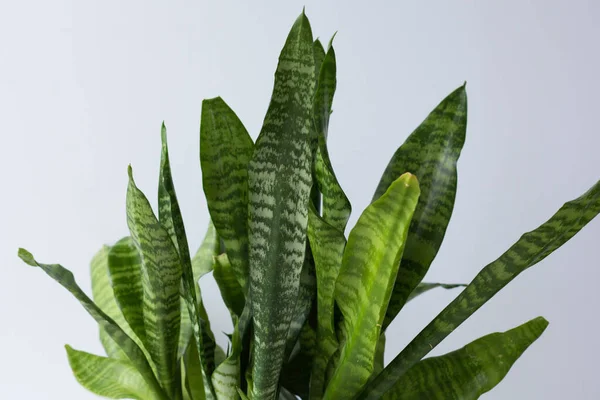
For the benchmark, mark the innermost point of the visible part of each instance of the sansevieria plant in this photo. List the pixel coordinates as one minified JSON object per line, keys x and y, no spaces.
{"x":310,"y":305}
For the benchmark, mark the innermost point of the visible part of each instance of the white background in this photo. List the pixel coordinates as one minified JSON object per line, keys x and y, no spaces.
{"x":84,"y":86}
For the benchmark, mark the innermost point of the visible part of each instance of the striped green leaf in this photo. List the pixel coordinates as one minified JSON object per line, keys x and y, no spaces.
{"x":135,"y":355}
{"x":336,"y":206}
{"x":431,"y":153}
{"x":467,"y":373}
{"x":427,"y":286}
{"x":231,"y":291}
{"x":530,"y":249}
{"x":225,"y":151}
{"x":327,"y":244}
{"x":108,"y":377}
{"x":365,"y":282}
{"x":171,"y":218}
{"x":161,"y":282}
{"x":280,"y":182}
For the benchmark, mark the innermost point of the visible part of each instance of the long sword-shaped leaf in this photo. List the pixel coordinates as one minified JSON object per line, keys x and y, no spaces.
{"x":225,"y":151}
{"x":194,"y":381}
{"x":115,"y":379}
{"x":427,"y":286}
{"x":231,"y":291}
{"x":467,"y":373}
{"x":170,"y":217}
{"x":431,"y":153}
{"x":161,"y":281}
{"x":327,"y":244}
{"x":66,"y":279}
{"x":336,"y":206}
{"x":365,"y":282}
{"x":279,"y":189}
{"x":530,"y":249}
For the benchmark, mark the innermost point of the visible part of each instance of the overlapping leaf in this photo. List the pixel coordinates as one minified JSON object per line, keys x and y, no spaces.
{"x":365,"y":282}
{"x":530,"y":249}
{"x":280,"y":182}
{"x":230,"y":289}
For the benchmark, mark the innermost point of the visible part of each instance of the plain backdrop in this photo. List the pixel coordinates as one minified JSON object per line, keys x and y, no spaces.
{"x":85,"y":85}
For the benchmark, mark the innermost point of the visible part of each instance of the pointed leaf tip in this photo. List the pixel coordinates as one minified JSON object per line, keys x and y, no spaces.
{"x":27,"y":257}
{"x":331,"y":40}
{"x":130,"y":173}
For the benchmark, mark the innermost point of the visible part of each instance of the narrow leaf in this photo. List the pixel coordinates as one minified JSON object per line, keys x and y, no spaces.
{"x":225,"y":151}
{"x":66,"y":279}
{"x":365,"y":282}
{"x":467,"y":373}
{"x":115,"y":379}
{"x":431,"y":153}
{"x":279,"y":188}
{"x":530,"y":249}
{"x":203,"y":260}
{"x":161,"y":281}
{"x":427,"y":286}
{"x":194,"y":382}
{"x":231,"y":291}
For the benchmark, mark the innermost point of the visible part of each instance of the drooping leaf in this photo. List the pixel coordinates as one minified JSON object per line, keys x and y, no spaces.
{"x":467,"y":373}
{"x":530,"y":249}
{"x":66,"y":279}
{"x":431,"y":153}
{"x":108,"y":377}
{"x":427,"y":286}
{"x":336,"y":206}
{"x":161,"y":282}
{"x":279,"y":189}
{"x":231,"y":291}
{"x":365,"y":282}
{"x":225,"y":151}
{"x":170,"y":217}
{"x":327,"y":244}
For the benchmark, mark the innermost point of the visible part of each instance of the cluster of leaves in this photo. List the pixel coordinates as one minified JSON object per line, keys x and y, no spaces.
{"x":309,"y":307}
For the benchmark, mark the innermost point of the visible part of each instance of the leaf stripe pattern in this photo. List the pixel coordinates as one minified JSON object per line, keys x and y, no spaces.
{"x":279,"y":189}
{"x":431,"y":153}
{"x":161,"y":282}
{"x":170,"y":216}
{"x":467,"y":373}
{"x":364,"y":285}
{"x":66,"y":279}
{"x":530,"y":249}
{"x":225,"y":151}
{"x":115,"y":379}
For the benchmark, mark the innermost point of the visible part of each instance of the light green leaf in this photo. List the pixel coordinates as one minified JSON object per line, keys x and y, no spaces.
{"x":66,"y":279}
{"x":431,"y":153}
{"x":225,"y":151}
{"x":231,"y":291}
{"x":161,"y":281}
{"x":194,"y":382}
{"x":327,"y":244}
{"x":170,"y":217}
{"x":467,"y":373}
{"x":108,"y":377}
{"x":203,"y":260}
{"x":365,"y":282}
{"x":530,"y":249}
{"x":427,"y":286}
{"x":279,"y":189}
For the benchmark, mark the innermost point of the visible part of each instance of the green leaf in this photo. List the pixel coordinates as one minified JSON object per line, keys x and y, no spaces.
{"x":279,"y":189}
{"x":161,"y":281}
{"x":336,"y":206}
{"x":327,"y":244}
{"x":467,"y":373}
{"x":530,"y":249}
{"x":225,"y":151}
{"x":431,"y":153}
{"x":203,"y":260}
{"x":170,"y":217}
{"x":194,"y":381}
{"x":427,"y":286}
{"x":231,"y":291}
{"x":365,"y":282}
{"x":66,"y":279}
{"x":108,"y":377}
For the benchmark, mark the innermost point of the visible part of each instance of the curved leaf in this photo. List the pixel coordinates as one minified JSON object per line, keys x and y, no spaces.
{"x":161,"y":281}
{"x":279,"y":188}
{"x":231,"y":291}
{"x":530,"y":249}
{"x":66,"y":279}
{"x":468,"y":373}
{"x":427,"y":286}
{"x":225,"y":151}
{"x":194,"y":381}
{"x":115,"y":379}
{"x":430,"y":153}
{"x":365,"y":282}
{"x":203,"y":260}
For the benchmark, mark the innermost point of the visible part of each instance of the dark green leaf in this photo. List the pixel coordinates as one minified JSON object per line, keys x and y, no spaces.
{"x":427,"y":286}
